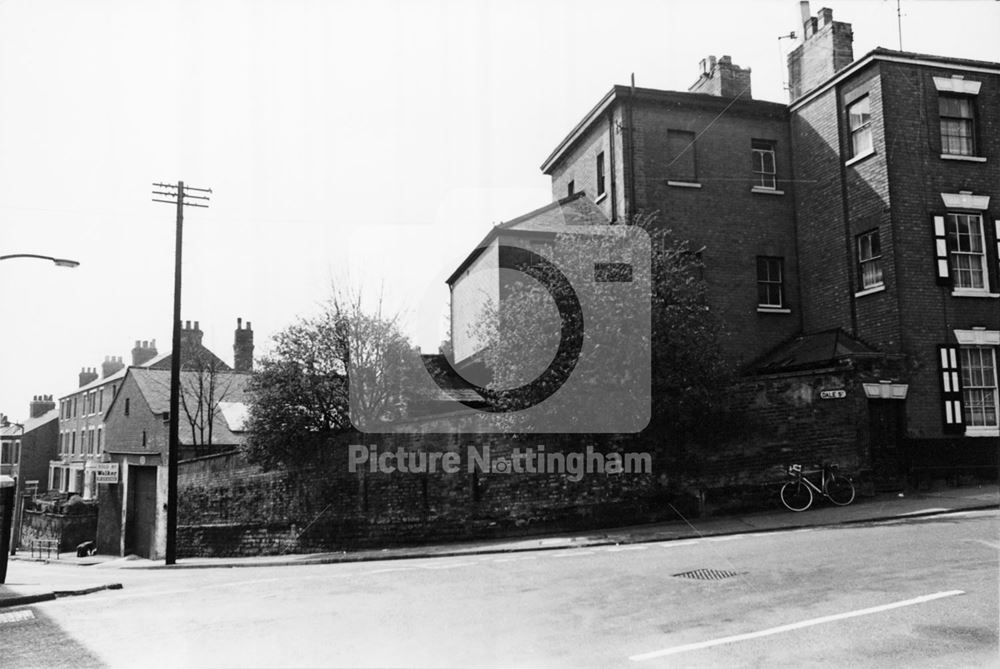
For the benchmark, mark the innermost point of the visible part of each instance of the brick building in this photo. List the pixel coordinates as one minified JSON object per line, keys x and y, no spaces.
{"x":850,"y":235}
{"x":213,"y":409}
{"x":896,"y":155}
{"x":82,"y":436}
{"x":25,"y":450}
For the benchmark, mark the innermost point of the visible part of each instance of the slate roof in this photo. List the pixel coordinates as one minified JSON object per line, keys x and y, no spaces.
{"x":154,"y":384}
{"x":811,"y":351}
{"x":37,"y":422}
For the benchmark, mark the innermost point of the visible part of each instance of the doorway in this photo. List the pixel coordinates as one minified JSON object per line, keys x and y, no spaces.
{"x":885,"y":434}
{"x":140,"y":524}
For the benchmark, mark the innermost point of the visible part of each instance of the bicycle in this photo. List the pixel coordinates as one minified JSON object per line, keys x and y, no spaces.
{"x":797,"y":494}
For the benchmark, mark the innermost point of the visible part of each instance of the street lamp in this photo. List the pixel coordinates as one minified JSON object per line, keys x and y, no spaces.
{"x":59,"y":262}
{"x":7,"y":541}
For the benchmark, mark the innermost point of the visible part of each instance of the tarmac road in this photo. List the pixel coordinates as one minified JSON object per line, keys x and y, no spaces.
{"x":919,"y":592}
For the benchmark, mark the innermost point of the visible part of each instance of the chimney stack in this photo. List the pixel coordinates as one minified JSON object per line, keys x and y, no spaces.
{"x":190,"y":336}
{"x":40,"y":405}
{"x":722,"y":78}
{"x":827,"y":48}
{"x":111,"y":365}
{"x":143,"y":352}
{"x":87,"y":375}
{"x":243,"y":347}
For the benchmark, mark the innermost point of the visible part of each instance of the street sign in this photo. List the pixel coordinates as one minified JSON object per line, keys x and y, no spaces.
{"x":107,"y":472}
{"x":832,"y":394}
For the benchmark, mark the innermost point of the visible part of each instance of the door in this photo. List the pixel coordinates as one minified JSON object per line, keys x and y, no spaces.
{"x":885,"y":435}
{"x":140,"y":526}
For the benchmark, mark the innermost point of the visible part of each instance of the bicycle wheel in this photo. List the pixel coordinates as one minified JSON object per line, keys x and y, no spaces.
{"x":840,"y":490}
{"x":796,"y":496}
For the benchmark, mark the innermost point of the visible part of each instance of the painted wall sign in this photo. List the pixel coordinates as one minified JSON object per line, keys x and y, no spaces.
{"x":107,"y":472}
{"x":832,"y":394}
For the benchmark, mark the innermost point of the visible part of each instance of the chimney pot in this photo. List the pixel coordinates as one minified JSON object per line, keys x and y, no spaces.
{"x":239,"y":323}
{"x":196,"y":325}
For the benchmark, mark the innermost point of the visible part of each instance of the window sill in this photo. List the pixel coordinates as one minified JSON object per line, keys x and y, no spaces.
{"x":982,"y":432}
{"x":684,"y":184}
{"x":858,"y":159}
{"x":773,"y":310}
{"x":766,"y":191}
{"x":968,"y":159}
{"x":960,"y":292}
{"x":600,"y":198}
{"x":870,"y":291}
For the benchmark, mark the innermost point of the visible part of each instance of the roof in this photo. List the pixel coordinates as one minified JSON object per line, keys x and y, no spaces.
{"x":154,"y":384}
{"x":120,"y":374}
{"x":455,"y":386}
{"x":889,"y":55}
{"x":235,"y":415}
{"x":38,"y":421}
{"x":679,"y":98}
{"x":11,"y":430}
{"x":810,"y":351}
{"x":569,"y":214}
{"x":232,"y":389}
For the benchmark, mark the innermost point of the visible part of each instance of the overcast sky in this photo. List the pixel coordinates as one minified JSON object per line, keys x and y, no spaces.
{"x":369,"y":142}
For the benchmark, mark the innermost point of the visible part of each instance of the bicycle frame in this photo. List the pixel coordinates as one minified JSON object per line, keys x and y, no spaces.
{"x":796,"y":473}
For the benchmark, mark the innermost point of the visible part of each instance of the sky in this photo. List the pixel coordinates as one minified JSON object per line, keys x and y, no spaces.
{"x":365,"y":145}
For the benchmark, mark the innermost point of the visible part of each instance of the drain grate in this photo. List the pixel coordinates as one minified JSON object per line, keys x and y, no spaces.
{"x":709,"y":574}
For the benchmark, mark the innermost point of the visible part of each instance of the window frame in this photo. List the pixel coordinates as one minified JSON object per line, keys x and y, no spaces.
{"x":971,"y":120}
{"x":976,"y":396}
{"x":863,"y":129}
{"x":875,"y":258}
{"x":690,"y":140}
{"x":763,"y":147}
{"x":601,"y":176}
{"x":766,"y":262}
{"x":951,"y":219}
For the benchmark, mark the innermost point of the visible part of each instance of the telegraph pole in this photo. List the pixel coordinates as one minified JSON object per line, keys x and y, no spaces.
{"x":176,"y":195}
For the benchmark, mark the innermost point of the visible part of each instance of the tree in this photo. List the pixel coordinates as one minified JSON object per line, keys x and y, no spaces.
{"x":204,"y":386}
{"x":688,"y":371}
{"x":300,"y":394}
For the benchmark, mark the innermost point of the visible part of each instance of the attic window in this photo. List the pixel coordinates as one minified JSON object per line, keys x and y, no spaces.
{"x":126,"y":406}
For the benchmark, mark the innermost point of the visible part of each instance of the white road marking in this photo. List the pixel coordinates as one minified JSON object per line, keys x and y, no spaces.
{"x":570,"y":553}
{"x":16,"y":616}
{"x":515,"y":559}
{"x":642,"y":657}
{"x":986,"y":543}
{"x":729,"y":537}
{"x":914,"y":513}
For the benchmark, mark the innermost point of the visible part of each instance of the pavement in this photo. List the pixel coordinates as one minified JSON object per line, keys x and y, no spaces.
{"x":100,"y":574}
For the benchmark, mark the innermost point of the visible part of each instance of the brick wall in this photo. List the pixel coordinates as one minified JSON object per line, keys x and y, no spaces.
{"x":580,"y":166}
{"x":228,"y":507}
{"x":732,"y":223}
{"x":69,"y":530}
{"x":917,"y":176}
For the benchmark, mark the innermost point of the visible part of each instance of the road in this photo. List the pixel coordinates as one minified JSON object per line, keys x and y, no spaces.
{"x":914,"y":593}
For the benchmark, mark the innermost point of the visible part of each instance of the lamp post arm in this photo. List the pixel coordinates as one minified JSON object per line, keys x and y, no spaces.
{"x":61,"y":262}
